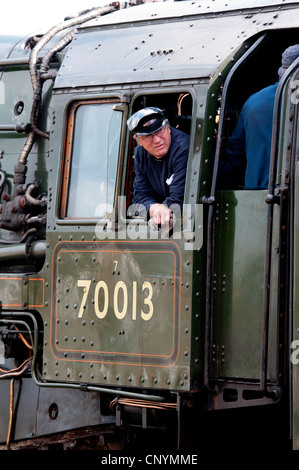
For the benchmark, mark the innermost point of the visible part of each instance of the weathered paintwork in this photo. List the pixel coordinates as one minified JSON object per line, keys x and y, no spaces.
{"x":194,"y":41}
{"x":127,"y":310}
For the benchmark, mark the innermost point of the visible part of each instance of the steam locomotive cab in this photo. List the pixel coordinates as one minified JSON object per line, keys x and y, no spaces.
{"x":158,"y":326}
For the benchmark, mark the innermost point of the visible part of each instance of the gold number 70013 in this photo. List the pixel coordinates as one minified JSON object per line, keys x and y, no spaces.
{"x":101,"y":288}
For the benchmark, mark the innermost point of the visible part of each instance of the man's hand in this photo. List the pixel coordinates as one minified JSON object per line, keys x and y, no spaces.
{"x":160,"y":214}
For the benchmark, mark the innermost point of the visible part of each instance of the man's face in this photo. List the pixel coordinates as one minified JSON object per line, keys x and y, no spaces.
{"x":158,"y":143}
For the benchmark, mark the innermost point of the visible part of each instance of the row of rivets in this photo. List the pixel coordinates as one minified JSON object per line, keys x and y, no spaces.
{"x":117,"y":377}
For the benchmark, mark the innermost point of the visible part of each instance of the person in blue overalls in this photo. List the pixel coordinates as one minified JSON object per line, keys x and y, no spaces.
{"x":250,"y":142}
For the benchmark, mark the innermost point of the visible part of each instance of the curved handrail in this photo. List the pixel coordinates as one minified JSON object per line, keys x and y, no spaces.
{"x":271,"y":199}
{"x":210,"y":200}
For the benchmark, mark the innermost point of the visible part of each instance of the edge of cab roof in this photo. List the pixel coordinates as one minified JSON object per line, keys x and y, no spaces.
{"x":18,"y":48}
{"x":160,"y":9}
{"x":130,"y":45}
{"x":7,"y":44}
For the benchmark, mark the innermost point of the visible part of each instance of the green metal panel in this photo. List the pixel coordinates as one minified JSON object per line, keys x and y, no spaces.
{"x":116,"y":313}
{"x":240,"y":242}
{"x":115,"y":344}
{"x":126,"y":313}
{"x":15,"y":109}
{"x":140,"y":45}
{"x":130,"y":315}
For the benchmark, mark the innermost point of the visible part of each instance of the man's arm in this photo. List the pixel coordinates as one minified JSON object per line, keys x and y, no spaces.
{"x":143,"y":193}
{"x":160,"y":214}
{"x":177,"y":179}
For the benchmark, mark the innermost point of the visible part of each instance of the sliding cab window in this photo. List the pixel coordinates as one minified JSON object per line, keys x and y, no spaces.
{"x":91,"y":157}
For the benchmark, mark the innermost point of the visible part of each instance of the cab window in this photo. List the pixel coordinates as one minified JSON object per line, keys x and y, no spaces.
{"x":177,"y":108}
{"x":91,"y":156}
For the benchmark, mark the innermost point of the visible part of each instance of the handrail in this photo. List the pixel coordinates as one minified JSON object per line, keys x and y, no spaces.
{"x":210,"y":200}
{"x":271,"y":199}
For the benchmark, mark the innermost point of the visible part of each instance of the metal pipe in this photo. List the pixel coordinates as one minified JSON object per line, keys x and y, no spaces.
{"x":27,"y":147}
{"x":37,"y":250}
{"x":35,"y":78}
{"x":60,"y":45}
{"x":15,"y":128}
{"x":41,"y":78}
{"x":56,"y":29}
{"x":10,"y":62}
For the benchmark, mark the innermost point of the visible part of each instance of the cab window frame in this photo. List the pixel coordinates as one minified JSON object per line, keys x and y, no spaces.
{"x":159,"y":99}
{"x":67,"y":158}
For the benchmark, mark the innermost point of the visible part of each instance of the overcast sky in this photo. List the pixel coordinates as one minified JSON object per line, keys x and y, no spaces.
{"x":28,"y":16}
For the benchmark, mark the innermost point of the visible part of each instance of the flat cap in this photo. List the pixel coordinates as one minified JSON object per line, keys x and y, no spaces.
{"x":146,"y":121}
{"x":288,"y":57}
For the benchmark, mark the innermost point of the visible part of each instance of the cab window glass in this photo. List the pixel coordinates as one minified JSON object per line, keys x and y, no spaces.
{"x":93,"y":155}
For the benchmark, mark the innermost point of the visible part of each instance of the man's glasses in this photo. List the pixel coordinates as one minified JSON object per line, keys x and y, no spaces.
{"x":150,"y":137}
